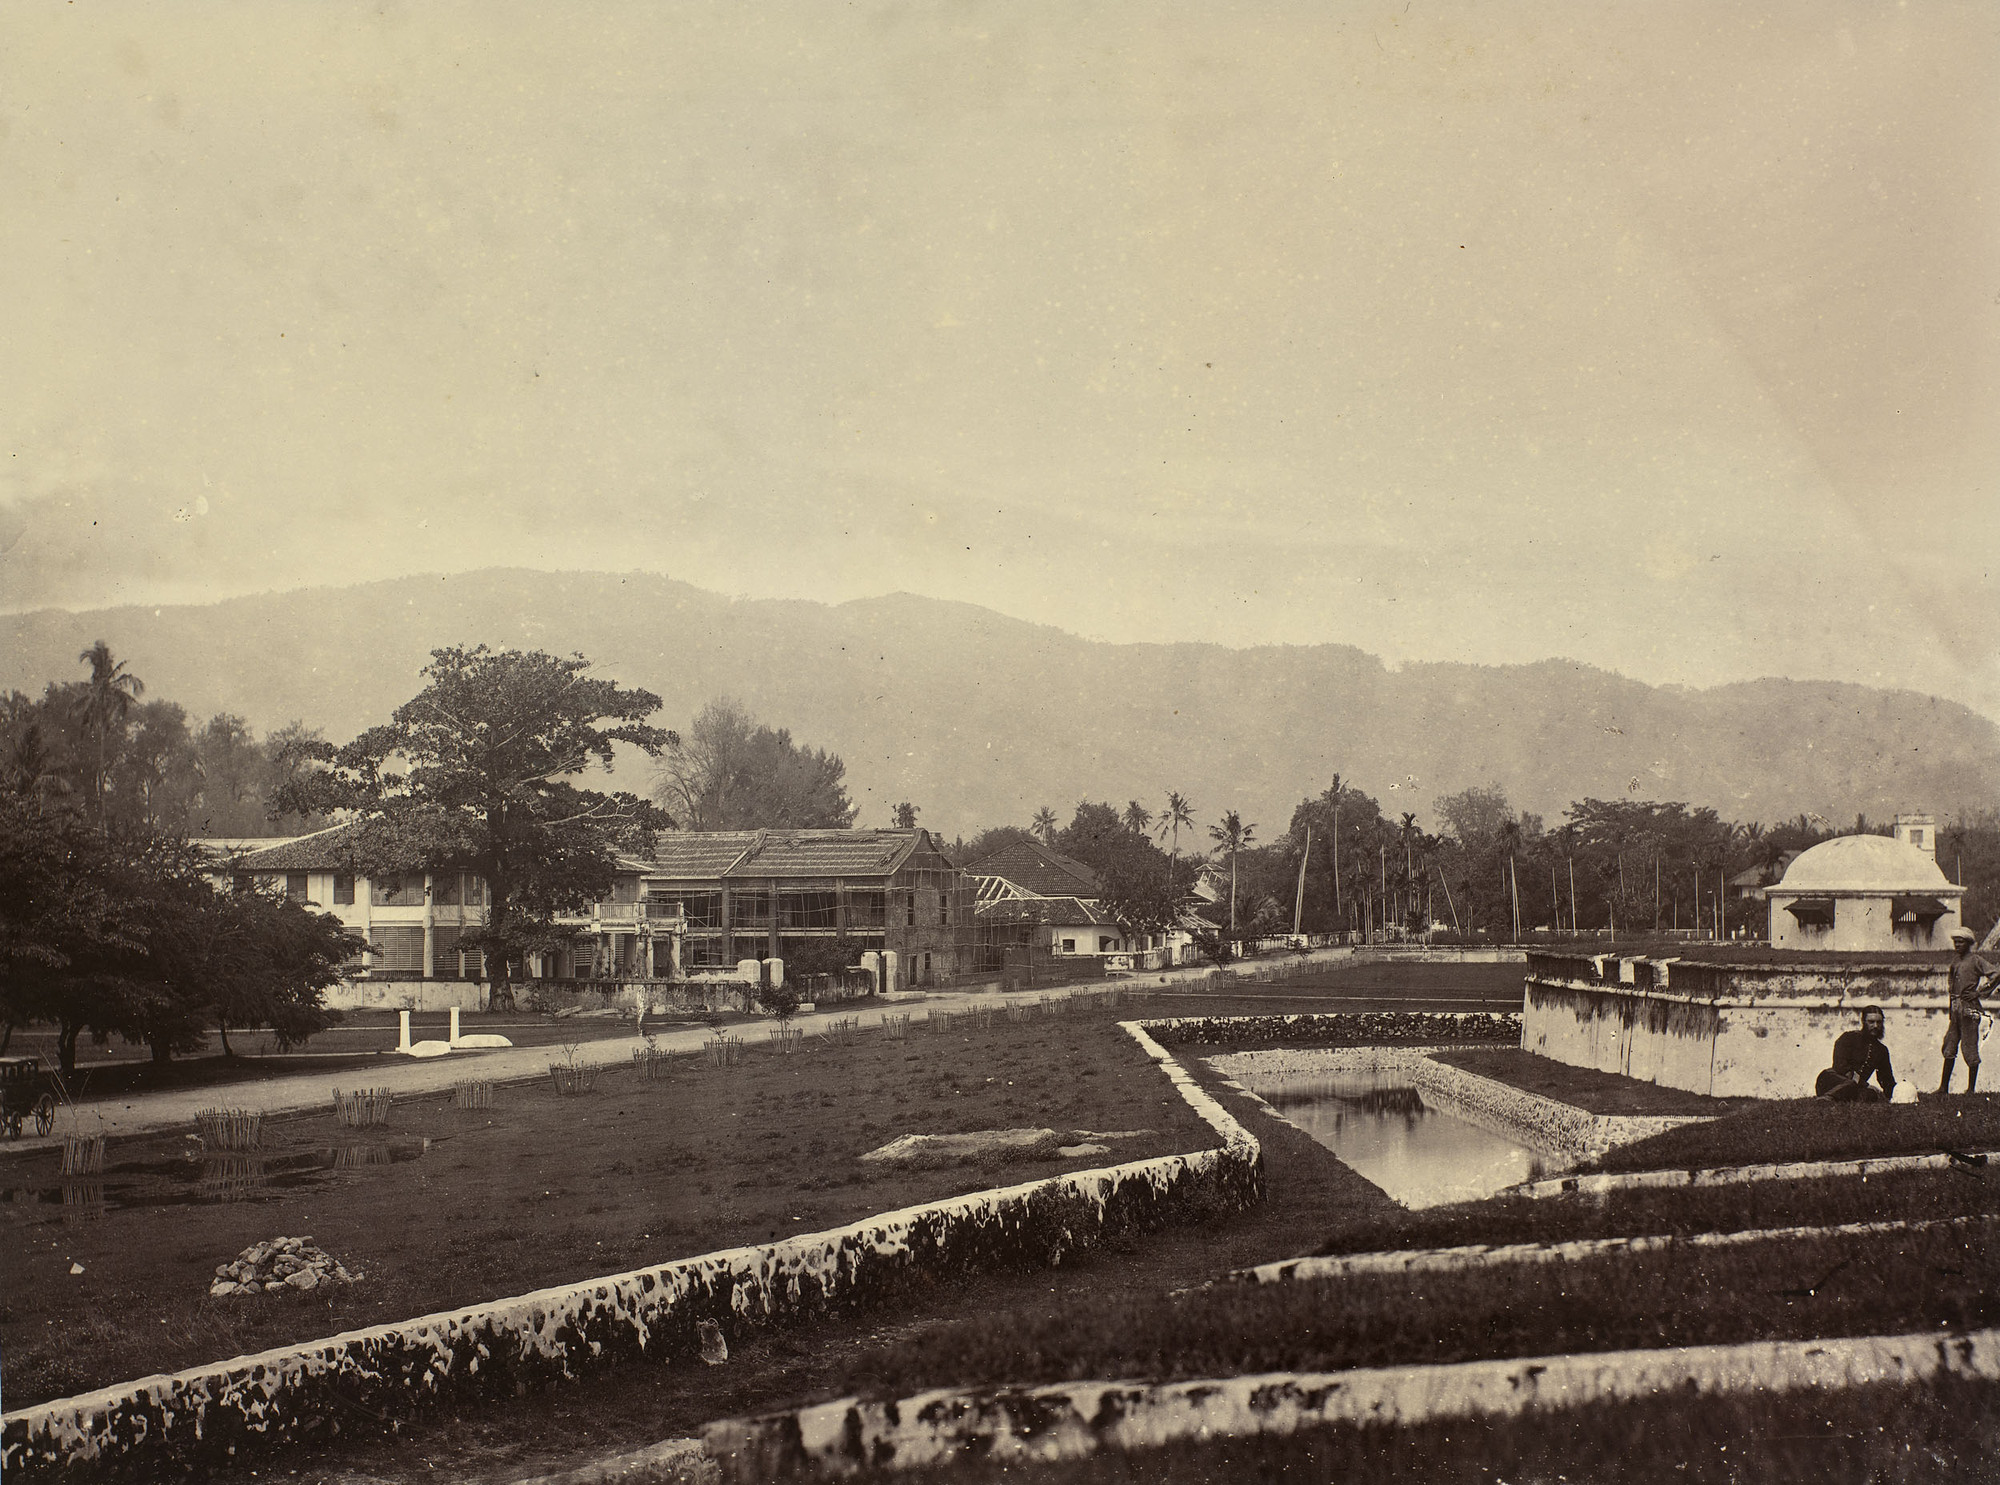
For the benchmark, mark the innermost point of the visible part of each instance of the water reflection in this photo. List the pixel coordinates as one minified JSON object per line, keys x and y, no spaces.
{"x":83,"y":1198}
{"x":1380,"y":1127}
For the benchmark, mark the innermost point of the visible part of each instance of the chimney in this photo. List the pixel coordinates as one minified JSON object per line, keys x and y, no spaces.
{"x":1919,"y":830}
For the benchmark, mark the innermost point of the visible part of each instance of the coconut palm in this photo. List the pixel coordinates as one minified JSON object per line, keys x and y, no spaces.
{"x":104,"y":702}
{"x":1044,"y":825}
{"x":1177,"y":813}
{"x":1232,"y":835}
{"x":1137,"y":817}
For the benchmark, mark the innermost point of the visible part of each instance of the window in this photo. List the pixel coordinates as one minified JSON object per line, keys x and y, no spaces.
{"x":1106,"y":943}
{"x":449,"y":962}
{"x":398,"y":951}
{"x":399,"y":892}
{"x":913,"y":907}
{"x":1069,"y":946}
{"x":944,"y":907}
{"x":343,"y":888}
{"x":295,"y":885}
{"x":867,"y":909}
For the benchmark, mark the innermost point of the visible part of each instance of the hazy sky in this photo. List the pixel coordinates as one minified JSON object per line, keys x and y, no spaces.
{"x":1665,"y":337}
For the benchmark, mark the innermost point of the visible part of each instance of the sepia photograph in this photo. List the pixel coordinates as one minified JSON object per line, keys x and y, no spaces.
{"x":979,"y":741}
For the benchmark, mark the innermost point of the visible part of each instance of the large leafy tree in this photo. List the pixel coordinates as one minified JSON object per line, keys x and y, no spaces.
{"x":1102,"y":840}
{"x":1149,"y":897}
{"x":728,"y":772}
{"x":68,"y":919}
{"x":473,"y":772}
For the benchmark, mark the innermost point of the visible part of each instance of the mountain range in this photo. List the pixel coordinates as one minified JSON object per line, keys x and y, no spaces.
{"x":980,"y":719}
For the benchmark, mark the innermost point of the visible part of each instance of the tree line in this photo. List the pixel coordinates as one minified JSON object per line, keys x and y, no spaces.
{"x":130,"y":763}
{"x":111,"y":923}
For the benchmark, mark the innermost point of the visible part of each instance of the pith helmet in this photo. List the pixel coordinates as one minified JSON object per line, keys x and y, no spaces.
{"x":1962,"y":935}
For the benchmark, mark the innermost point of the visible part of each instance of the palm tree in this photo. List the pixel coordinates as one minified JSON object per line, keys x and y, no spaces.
{"x":1137,"y":817}
{"x":1232,"y":835}
{"x":1044,"y":825}
{"x":1331,"y":798}
{"x":1177,"y":813}
{"x":1409,"y":870}
{"x":1510,"y":835}
{"x":106,"y":700}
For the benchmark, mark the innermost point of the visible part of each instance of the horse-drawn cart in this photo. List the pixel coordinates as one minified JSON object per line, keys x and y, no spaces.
{"x":25,"y":1089}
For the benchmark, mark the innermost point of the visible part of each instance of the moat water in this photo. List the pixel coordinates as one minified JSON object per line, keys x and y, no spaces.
{"x":1382,"y":1129}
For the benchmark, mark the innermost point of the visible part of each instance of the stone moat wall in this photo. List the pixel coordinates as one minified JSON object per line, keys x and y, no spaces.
{"x":1730,"y":1030}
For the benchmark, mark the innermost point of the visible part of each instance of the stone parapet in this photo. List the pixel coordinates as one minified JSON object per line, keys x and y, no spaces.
{"x":1759,"y":1027}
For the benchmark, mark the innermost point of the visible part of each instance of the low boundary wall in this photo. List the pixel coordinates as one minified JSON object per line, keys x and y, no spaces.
{"x":163,"y":1425}
{"x":1071,"y":1420}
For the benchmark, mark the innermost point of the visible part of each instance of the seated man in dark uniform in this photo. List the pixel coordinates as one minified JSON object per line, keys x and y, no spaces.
{"x":1857,"y":1057}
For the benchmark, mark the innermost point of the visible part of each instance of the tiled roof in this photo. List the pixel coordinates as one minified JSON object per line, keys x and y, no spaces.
{"x":699,"y":855}
{"x":321,"y":851}
{"x":678,"y":855}
{"x":1035,"y":868}
{"x":1056,"y":912}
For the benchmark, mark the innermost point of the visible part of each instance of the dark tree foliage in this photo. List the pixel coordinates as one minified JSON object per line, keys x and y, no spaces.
{"x":120,"y":934}
{"x":472,"y":773}
{"x":70,"y":920}
{"x":1148,"y":898}
{"x":137,"y":765}
{"x":1098,"y":836}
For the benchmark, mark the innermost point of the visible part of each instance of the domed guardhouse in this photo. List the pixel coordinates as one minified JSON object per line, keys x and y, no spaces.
{"x":1867,"y":893}
{"x":1856,"y":921}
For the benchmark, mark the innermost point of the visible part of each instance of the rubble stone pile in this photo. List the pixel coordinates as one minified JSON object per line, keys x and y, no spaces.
{"x":279,"y":1264}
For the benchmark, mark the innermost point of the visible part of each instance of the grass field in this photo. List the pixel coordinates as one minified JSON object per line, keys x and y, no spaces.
{"x":1812,"y":1129}
{"x":1585,"y":1087}
{"x":538,"y":1190}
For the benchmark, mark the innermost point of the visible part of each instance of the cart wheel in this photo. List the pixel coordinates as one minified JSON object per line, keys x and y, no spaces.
{"x":12,"y":1121}
{"x":45,"y":1114}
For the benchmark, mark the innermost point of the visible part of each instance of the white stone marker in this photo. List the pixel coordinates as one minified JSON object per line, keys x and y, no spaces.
{"x":402,"y":1031}
{"x":454,"y":1026}
{"x":777,"y":973}
{"x":889,"y":967}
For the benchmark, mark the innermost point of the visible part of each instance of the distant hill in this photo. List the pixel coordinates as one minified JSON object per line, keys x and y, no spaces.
{"x":980,"y":718}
